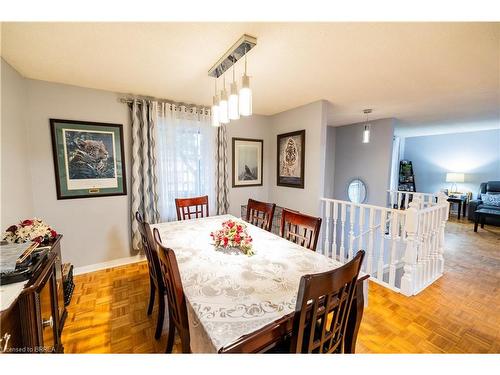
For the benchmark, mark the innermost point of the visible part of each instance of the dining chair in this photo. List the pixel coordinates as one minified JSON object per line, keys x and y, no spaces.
{"x":260,"y":214}
{"x":177,"y":310}
{"x":322,"y":309}
{"x":156,"y":283}
{"x":300,"y":228}
{"x":190,"y":208}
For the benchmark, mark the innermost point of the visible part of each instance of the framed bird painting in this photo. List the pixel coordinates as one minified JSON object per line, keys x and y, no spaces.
{"x":247,"y":162}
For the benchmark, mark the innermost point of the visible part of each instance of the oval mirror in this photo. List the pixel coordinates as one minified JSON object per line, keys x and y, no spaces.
{"x":356,"y":191}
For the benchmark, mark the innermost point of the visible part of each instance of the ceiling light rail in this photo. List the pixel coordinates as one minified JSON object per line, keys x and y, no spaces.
{"x":233,"y":54}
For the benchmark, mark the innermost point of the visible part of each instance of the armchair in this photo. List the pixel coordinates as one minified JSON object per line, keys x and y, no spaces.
{"x":476,"y":204}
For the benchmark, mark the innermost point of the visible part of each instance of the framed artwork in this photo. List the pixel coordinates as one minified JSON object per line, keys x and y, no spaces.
{"x":291,"y":159}
{"x":247,"y":162}
{"x":89,"y":159}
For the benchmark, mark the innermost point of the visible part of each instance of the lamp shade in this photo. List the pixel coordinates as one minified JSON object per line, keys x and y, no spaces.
{"x":455,"y":177}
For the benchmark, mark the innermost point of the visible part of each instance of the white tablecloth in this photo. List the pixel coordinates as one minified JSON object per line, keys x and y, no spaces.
{"x":231,"y":295}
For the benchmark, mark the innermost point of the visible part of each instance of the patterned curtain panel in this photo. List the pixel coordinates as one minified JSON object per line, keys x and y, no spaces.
{"x":221,"y":185}
{"x":144,"y":176}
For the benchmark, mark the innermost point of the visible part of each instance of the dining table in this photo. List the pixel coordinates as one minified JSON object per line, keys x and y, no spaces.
{"x":242,"y":303}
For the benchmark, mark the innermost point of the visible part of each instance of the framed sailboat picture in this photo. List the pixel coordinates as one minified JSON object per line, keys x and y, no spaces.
{"x":247,"y":162}
{"x":88,"y":159}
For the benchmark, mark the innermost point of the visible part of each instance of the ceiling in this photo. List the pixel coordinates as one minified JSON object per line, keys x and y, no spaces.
{"x":432,"y":76}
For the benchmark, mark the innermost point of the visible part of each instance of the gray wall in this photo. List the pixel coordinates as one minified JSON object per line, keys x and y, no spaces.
{"x":95,"y":230}
{"x":477,"y":154}
{"x":369,"y":161}
{"x":256,"y":127}
{"x":98,"y":230}
{"x":16,"y":191}
{"x":312,"y":118}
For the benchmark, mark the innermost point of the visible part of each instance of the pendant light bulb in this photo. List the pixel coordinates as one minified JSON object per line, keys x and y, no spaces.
{"x":366,"y":134}
{"x":245,"y":94}
{"x":223,"y":105}
{"x":215,"y":108}
{"x":234,"y":112}
{"x":366,"y":131}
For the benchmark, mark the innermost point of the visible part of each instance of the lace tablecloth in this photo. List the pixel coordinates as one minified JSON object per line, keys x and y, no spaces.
{"x":231,"y":295}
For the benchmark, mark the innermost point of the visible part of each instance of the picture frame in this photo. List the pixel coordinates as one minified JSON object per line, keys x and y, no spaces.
{"x":290,"y":170}
{"x":247,"y":162}
{"x":89,"y":159}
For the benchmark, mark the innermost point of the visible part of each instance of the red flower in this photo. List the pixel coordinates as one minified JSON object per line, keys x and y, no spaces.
{"x":226,"y":240}
{"x":237,"y":238}
{"x":230,"y":224}
{"x":26,"y":223}
{"x":239,"y":228}
{"x":12,"y":229}
{"x":39,"y":239}
{"x":53,"y":233}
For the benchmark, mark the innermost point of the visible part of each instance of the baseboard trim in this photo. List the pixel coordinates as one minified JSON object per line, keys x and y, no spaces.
{"x":109,"y":264}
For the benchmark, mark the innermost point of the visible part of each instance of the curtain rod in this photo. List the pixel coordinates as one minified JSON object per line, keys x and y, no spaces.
{"x":130,"y":100}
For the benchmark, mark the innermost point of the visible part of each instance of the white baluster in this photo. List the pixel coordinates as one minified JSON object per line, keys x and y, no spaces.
{"x":361,"y":228}
{"x":380,"y":264}
{"x":410,"y":256}
{"x":394,"y":231}
{"x":335,"y":216}
{"x":369,"y":260}
{"x":326,"y":249}
{"x":352,"y":216}
{"x":435,"y":244}
{"x":342,"y":234}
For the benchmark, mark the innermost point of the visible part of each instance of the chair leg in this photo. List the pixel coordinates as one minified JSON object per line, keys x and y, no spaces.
{"x":186,"y":347}
{"x":152,"y":292}
{"x":161,"y":314}
{"x":171,"y":336}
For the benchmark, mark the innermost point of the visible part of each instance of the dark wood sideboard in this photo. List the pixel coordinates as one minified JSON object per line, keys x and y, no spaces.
{"x":34,"y":322}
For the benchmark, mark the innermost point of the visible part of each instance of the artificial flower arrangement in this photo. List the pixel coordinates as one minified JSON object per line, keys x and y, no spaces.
{"x":30,"y":230}
{"x":233,"y":235}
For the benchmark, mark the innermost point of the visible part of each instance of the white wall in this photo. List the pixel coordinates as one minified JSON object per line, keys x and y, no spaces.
{"x":312,"y":118}
{"x":255,"y":127}
{"x":16,"y":189}
{"x":95,"y":229}
{"x":369,"y":161}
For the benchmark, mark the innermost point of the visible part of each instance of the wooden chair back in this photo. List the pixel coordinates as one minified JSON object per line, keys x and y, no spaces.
{"x":191,"y":208}
{"x":260,"y":214}
{"x":150,"y":250}
{"x":300,"y":228}
{"x":175,"y":294}
{"x":322,"y":310}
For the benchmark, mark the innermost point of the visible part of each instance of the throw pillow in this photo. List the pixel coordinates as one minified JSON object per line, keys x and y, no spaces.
{"x":491,"y":199}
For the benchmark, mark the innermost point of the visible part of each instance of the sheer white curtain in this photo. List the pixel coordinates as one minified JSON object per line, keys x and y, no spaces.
{"x":185,"y":157}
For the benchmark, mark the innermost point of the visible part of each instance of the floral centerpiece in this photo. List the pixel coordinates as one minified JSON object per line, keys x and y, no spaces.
{"x":233,"y":235}
{"x":30,"y":230}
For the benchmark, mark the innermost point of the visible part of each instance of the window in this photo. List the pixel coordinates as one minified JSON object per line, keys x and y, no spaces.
{"x":185,"y":159}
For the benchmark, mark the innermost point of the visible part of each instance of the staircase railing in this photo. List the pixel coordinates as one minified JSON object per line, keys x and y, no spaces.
{"x":404,"y":247}
{"x":401,"y":199}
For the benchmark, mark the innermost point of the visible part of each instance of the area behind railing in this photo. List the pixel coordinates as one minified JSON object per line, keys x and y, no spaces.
{"x":404,"y":245}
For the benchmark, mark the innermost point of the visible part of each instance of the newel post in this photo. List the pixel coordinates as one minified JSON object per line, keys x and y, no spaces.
{"x":408,"y":281}
{"x":445,"y":207}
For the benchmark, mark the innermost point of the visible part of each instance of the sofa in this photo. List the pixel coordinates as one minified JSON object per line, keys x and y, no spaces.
{"x":492,"y":187}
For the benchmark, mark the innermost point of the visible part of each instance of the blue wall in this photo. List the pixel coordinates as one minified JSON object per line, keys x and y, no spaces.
{"x":477,"y":154}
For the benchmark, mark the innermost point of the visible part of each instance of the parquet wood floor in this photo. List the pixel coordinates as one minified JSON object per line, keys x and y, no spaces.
{"x":460,"y":313}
